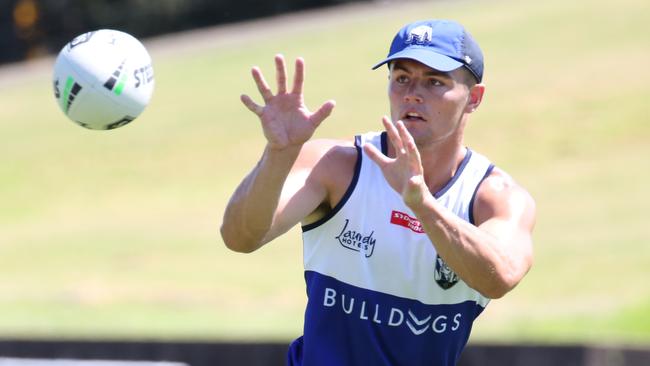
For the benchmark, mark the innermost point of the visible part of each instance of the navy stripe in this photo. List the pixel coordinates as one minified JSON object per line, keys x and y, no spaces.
{"x":348,"y":193}
{"x":453,"y":179}
{"x":384,"y":143}
{"x":347,"y":325}
{"x":471,"y":202}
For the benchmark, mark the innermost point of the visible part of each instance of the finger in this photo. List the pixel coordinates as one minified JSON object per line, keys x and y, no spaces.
{"x":299,"y":76}
{"x":281,"y":74}
{"x":393,"y":136}
{"x":323,"y":112}
{"x":262,"y":85}
{"x":252,"y":106}
{"x":409,"y":142}
{"x":406,"y":137}
{"x":375,"y":155}
{"x":404,"y":134}
{"x":412,"y":148}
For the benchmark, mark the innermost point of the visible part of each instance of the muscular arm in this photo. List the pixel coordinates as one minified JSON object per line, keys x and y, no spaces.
{"x":493,"y":256}
{"x":271,"y":199}
{"x":249,"y":215}
{"x":277,"y":193}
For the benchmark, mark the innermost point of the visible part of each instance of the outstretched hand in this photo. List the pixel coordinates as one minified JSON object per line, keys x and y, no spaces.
{"x":285,"y":119}
{"x":404,"y":173}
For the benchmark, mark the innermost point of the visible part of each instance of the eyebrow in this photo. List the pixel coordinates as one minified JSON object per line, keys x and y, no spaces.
{"x":432,"y":72}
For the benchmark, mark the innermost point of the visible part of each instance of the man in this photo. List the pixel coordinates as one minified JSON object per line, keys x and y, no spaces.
{"x":407,"y":233}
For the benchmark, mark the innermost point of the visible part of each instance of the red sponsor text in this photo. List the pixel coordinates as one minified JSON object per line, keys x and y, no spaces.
{"x":402,"y":219}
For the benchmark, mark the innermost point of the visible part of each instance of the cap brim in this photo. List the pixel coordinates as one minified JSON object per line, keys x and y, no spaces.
{"x":434,"y":60}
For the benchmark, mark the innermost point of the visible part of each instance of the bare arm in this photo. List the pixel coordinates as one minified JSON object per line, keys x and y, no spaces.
{"x":249,"y":214}
{"x":492,"y":257}
{"x":264,"y":205}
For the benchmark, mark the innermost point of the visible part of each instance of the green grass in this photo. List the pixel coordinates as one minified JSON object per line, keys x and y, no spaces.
{"x":115,"y":234}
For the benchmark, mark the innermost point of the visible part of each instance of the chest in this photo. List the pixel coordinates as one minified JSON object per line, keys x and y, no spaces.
{"x":375,"y":242}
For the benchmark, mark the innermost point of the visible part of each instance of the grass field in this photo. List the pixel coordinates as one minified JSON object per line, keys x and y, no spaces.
{"x":115,"y":234}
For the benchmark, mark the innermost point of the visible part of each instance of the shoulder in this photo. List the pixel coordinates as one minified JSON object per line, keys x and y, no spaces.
{"x":325,"y":163}
{"x":500,"y":196}
{"x":331,"y":168}
{"x":323,"y":154}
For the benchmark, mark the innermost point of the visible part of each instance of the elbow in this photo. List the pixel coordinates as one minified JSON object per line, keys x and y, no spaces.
{"x":506,"y":280}
{"x":495,"y":292}
{"x":238,"y":247}
{"x":500,"y":286}
{"x":237,"y":243}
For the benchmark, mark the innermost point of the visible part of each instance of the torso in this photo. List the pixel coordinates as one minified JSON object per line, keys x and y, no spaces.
{"x":377,"y":289}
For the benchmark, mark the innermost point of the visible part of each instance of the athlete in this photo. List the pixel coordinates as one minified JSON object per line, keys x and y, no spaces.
{"x":407,"y":232}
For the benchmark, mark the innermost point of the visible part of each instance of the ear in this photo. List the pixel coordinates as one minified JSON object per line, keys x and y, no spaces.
{"x":475,"y":97}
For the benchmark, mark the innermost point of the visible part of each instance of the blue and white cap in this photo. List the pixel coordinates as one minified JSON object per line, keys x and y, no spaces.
{"x":443,"y":45}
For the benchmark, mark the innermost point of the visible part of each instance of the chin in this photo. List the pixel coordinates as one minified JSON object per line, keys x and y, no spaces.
{"x":416,"y":128}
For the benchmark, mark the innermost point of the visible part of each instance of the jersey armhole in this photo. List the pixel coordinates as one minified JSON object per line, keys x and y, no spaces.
{"x":348,"y":192}
{"x":471,"y":202}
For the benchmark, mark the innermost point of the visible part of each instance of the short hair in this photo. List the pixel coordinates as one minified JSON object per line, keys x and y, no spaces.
{"x":468,"y":77}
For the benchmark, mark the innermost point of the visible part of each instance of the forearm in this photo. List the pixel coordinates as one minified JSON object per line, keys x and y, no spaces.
{"x":474,"y":254}
{"x":249,"y":214}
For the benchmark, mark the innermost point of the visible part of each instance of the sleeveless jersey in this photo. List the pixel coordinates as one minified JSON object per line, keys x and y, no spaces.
{"x":378,"y":293}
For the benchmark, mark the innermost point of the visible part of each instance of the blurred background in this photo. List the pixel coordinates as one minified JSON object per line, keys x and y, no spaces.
{"x":35,"y":28}
{"x":113,"y":236}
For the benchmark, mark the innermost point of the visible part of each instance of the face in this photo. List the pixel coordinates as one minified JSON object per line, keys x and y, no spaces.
{"x":433,"y":105}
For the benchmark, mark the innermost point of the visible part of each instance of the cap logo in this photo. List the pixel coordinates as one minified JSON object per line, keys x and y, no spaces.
{"x":419,"y":35}
{"x":468,"y":60}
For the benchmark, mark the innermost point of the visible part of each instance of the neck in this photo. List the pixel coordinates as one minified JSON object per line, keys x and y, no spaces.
{"x":440,"y":161}
{"x":441,"y":158}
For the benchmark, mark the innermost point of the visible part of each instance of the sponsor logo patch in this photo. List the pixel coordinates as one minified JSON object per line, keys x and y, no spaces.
{"x":402,"y":219}
{"x":357,"y":241}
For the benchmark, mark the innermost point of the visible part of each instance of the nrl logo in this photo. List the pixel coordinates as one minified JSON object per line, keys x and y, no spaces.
{"x":357,"y":241}
{"x":444,"y":276}
{"x":80,"y":40}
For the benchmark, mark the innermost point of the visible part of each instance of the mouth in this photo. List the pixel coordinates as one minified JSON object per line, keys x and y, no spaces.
{"x":413,"y":117}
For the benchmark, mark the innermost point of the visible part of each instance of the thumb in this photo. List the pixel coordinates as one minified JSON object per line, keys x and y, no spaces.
{"x":375,"y":155}
{"x":323,"y":112}
{"x":252,"y":106}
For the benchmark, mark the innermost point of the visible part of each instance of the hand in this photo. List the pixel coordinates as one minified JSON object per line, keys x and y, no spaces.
{"x":404,"y":173}
{"x":286,"y":121}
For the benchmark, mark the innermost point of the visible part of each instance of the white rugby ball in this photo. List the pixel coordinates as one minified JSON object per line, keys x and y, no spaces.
{"x":103,"y":79}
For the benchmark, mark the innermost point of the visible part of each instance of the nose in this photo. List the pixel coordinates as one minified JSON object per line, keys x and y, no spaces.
{"x":412,"y":95}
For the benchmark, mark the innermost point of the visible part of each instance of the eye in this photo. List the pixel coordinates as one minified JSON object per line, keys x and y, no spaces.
{"x":402,"y":79}
{"x":435,"y":82}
